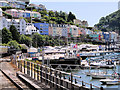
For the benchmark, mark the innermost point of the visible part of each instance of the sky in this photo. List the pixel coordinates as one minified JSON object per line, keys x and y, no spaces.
{"x":89,"y":10}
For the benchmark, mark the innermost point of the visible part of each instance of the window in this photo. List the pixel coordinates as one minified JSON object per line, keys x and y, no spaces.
{"x":41,"y":25}
{"x":41,"y":32}
{"x":41,"y":28}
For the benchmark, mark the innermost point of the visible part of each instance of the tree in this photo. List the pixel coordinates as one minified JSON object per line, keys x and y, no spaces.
{"x":15,"y":33}
{"x":14,"y":44}
{"x":71,"y":17}
{"x":37,"y":40}
{"x":6,"y":35}
{"x":25,"y":40}
{"x":51,"y":14}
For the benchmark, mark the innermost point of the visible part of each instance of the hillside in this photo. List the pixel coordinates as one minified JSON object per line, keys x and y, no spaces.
{"x":110,"y":22}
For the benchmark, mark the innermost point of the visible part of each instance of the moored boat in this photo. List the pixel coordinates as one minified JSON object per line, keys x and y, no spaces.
{"x":110,"y":81}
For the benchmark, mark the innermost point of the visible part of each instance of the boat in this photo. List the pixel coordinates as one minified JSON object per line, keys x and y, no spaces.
{"x":110,"y":81}
{"x":104,"y":64}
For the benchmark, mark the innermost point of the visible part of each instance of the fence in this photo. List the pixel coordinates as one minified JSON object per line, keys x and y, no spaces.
{"x":52,"y":77}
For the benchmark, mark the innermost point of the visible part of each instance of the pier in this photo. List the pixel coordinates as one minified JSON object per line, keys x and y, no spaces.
{"x":53,"y":78}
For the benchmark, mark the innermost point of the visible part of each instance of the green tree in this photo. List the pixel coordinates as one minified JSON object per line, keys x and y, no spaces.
{"x":6,"y":35}
{"x":51,"y":14}
{"x":37,"y":40}
{"x":15,"y":33}
{"x":71,"y":17}
{"x":14,"y":44}
{"x":25,"y":40}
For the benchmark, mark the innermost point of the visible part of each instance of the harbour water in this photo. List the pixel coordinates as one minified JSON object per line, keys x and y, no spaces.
{"x":96,"y":82}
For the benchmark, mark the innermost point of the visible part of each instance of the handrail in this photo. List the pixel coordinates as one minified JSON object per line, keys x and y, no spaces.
{"x":71,"y":77}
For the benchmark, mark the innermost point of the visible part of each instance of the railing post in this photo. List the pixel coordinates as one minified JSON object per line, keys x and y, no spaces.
{"x":34,"y":70}
{"x":45,"y":75}
{"x":24,"y":67}
{"x":75,"y":81}
{"x":82,"y":83}
{"x":41,"y":73}
{"x":21,"y":66}
{"x":60,"y":79}
{"x":37,"y":72}
{"x":50,"y":77}
{"x":56,"y":78}
{"x":71,"y":81}
{"x":31,"y":69}
{"x":101,"y":88}
{"x":18,"y":65}
{"x":90,"y":86}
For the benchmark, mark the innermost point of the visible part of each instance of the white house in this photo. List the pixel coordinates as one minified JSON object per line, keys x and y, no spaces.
{"x":20,"y":24}
{"x":113,"y":37}
{"x":74,"y":30}
{"x":0,"y":12}
{"x":1,"y":19}
{"x":30,"y":29}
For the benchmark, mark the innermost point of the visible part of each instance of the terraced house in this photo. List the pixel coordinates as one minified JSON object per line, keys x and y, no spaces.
{"x":22,"y":13}
{"x":42,"y":27}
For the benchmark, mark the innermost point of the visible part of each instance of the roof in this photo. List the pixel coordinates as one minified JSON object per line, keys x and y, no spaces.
{"x":12,"y":10}
{"x":4,"y":1}
{"x":0,"y":9}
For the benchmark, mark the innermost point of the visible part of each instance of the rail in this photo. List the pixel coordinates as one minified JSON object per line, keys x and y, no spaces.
{"x":54,"y":78}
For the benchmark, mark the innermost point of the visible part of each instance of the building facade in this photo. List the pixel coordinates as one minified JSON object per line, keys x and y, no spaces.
{"x":119,"y":5}
{"x":30,"y":29}
{"x":20,"y":24}
{"x":3,"y":3}
{"x":42,"y":27}
{"x":22,"y":13}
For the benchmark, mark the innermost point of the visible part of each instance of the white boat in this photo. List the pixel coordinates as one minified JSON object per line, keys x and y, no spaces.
{"x":104,"y":64}
{"x":110,"y":81}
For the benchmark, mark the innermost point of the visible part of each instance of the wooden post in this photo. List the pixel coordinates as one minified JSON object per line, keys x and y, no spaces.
{"x":101,"y":88}
{"x":34,"y":70}
{"x":75,"y":81}
{"x":21,"y":66}
{"x":50,"y":77}
{"x":18,"y":65}
{"x":24,"y":67}
{"x":31,"y":70}
{"x":90,"y":86}
{"x":71,"y":81}
{"x":45,"y":75}
{"x":82,"y":83}
{"x":56,"y":78}
{"x":60,"y":79}
{"x":37,"y":72}
{"x":41,"y":73}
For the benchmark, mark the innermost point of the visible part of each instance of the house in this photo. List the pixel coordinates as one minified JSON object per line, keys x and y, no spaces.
{"x":106,"y":36}
{"x":1,"y":12}
{"x":20,"y":24}
{"x":84,"y":23}
{"x":42,"y":27}
{"x":3,"y":3}
{"x":22,"y":13}
{"x":13,"y":12}
{"x":73,"y":30}
{"x":42,"y":7}
{"x":77,"y":21}
{"x":113,"y":37}
{"x":30,"y":29}
{"x":50,"y":30}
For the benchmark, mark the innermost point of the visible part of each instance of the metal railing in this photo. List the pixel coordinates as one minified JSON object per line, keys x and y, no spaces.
{"x":52,"y":77}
